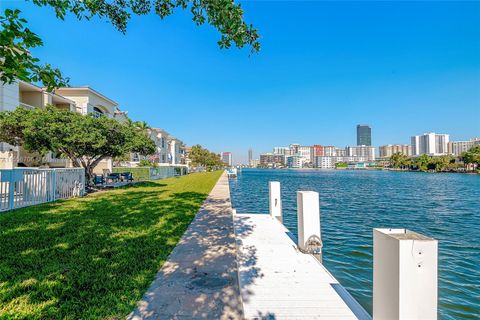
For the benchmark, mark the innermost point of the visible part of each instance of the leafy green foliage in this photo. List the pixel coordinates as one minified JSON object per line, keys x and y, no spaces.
{"x":16,"y":62}
{"x":93,"y":257}
{"x":147,"y":163}
{"x":424,"y":162}
{"x":16,"y":40}
{"x":139,"y":174}
{"x":341,"y":165}
{"x":472,"y":156}
{"x":399,"y":160}
{"x":201,"y":157}
{"x":85,"y":140}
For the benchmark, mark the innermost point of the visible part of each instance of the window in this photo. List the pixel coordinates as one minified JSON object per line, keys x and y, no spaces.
{"x":97,"y":112}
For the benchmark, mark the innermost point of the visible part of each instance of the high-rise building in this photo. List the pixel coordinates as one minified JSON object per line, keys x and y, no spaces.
{"x":250,"y":156}
{"x":364,"y":135}
{"x":295,"y":161}
{"x":340,"y":152}
{"x":294,"y":148}
{"x":317,"y":150}
{"x":227,"y":158}
{"x":458,"y":147}
{"x":254,"y":163}
{"x":329,"y":151}
{"x":388,"y":150}
{"x":272,"y":159}
{"x":329,"y":162}
{"x":282,"y":150}
{"x":361,"y":151}
{"x":430,"y":143}
{"x":306,"y":153}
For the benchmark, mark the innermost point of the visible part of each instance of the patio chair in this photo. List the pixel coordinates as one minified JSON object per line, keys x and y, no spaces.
{"x":98,"y":180}
{"x":113,"y":177}
{"x":126,"y":176}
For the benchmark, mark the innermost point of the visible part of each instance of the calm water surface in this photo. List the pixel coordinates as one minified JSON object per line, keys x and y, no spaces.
{"x":443,"y":206}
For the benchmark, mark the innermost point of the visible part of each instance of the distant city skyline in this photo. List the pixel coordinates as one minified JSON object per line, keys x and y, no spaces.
{"x":404,"y":68}
{"x":436,"y":146}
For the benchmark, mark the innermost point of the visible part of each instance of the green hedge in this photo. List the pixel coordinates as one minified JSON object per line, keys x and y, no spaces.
{"x":138,"y":173}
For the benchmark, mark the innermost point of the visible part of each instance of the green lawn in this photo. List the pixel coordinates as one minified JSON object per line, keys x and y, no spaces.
{"x":93,"y":257}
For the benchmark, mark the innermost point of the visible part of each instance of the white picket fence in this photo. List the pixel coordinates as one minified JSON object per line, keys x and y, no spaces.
{"x":22,"y":187}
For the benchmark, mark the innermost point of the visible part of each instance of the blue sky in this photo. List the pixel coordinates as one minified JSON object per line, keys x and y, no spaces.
{"x":402,"y":67}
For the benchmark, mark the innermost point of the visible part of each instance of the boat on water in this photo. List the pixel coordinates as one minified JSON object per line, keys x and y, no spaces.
{"x":231,"y":172}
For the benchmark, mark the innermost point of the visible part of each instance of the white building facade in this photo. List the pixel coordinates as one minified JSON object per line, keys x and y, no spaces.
{"x":367,"y":152}
{"x":388,"y":150}
{"x":328,"y":162}
{"x":430,"y":143}
{"x":456,"y":148}
{"x":227,"y":158}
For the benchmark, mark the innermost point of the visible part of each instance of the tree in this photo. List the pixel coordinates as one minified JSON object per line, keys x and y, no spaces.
{"x":201,"y":157}
{"x":85,"y":140}
{"x":472,"y":156}
{"x":442,"y":163}
{"x":16,"y":40}
{"x":422,"y":162}
{"x":142,"y":125}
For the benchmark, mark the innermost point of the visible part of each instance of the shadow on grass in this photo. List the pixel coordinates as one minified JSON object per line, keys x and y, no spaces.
{"x":200,"y":278}
{"x":93,"y":257}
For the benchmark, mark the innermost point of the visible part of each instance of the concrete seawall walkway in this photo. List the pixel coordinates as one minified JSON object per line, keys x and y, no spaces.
{"x":200,"y":278}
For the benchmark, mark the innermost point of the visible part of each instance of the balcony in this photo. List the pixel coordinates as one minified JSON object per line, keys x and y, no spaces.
{"x":26,"y":106}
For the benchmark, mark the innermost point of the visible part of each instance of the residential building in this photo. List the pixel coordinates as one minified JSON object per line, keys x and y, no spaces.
{"x":386,"y":151}
{"x":27,"y":95}
{"x":329,"y":151}
{"x":367,"y":152}
{"x":250,"y":156}
{"x":458,"y":147}
{"x":430,"y":143}
{"x":293,"y":148}
{"x":176,"y":150}
{"x":168,"y":149}
{"x":272,"y":159}
{"x":364,"y":135}
{"x":329,"y":162}
{"x":317,"y":150}
{"x":306,"y":152}
{"x":254,"y":163}
{"x":340,"y":152}
{"x":282,"y":150}
{"x":295,"y":161}
{"x":227,"y":158}
{"x":89,"y":101}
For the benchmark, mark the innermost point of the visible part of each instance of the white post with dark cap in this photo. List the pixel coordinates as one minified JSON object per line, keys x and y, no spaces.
{"x":275,"y":200}
{"x":404,"y":275}
{"x":308,"y":213}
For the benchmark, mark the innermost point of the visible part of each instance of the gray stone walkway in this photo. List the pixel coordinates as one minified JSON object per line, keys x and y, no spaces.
{"x":200,"y":278}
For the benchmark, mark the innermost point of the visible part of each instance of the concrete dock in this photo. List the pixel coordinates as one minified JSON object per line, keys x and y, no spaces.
{"x":279,"y":282}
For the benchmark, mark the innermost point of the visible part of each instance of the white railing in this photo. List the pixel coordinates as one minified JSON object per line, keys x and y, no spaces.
{"x":161,"y":173}
{"x":22,"y":187}
{"x":26,"y":106}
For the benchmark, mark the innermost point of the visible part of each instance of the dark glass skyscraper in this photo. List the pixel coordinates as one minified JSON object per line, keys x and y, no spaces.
{"x":364,"y":135}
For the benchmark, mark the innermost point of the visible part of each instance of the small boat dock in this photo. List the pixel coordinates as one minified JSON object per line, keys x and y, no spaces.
{"x":277,"y":281}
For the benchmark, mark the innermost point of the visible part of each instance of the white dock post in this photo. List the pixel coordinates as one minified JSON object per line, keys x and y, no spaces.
{"x":308,"y":214}
{"x":404,"y":275}
{"x":275,"y":200}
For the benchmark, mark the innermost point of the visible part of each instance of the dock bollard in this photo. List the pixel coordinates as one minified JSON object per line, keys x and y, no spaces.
{"x":404,"y":275}
{"x":275,"y":200}
{"x":308,"y":214}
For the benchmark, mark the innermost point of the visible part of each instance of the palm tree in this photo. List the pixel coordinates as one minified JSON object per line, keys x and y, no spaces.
{"x":141,"y":125}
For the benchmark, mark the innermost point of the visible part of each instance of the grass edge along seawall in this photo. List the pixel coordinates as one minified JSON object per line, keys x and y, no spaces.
{"x":94,"y":257}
